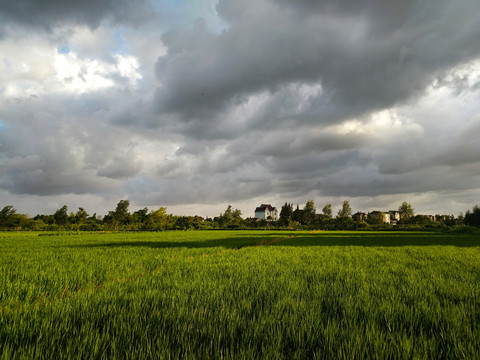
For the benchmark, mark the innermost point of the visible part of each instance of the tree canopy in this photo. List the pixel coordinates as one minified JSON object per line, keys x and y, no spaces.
{"x":327,"y":210}
{"x":304,"y":217}
{"x":345,"y":211}
{"x":406,"y":211}
{"x":473,"y":217}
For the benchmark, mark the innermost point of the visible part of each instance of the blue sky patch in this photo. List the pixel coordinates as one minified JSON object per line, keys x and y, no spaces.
{"x":63,"y":49}
{"x":121,"y":47}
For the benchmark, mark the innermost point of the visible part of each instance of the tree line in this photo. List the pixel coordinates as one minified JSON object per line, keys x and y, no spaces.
{"x":307,"y":218}
{"x":290,"y":217}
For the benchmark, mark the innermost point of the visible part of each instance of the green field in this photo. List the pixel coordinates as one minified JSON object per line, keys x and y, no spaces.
{"x":234,"y":294}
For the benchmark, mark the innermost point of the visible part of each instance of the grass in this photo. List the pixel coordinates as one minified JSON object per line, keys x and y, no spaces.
{"x":234,"y":294}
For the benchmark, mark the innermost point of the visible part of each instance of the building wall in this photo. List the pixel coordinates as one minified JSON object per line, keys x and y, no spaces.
{"x":383,"y":217}
{"x":260,"y":215}
{"x":263,"y":215}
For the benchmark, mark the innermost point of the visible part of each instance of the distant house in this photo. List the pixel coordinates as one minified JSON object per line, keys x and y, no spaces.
{"x":444,"y":218}
{"x":359,"y":216}
{"x":394,"y":217}
{"x":379,"y":216}
{"x":266,"y":212}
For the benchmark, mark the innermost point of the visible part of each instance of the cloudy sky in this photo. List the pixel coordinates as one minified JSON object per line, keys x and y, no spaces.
{"x":195,"y":105}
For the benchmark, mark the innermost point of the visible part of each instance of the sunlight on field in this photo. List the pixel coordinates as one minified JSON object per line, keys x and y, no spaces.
{"x":234,"y":294}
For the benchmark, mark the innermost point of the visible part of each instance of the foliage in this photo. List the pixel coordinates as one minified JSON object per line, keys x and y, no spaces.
{"x":345,"y":211}
{"x":309,"y":212}
{"x":230,"y":218}
{"x":297,"y":215}
{"x":7,"y":217}
{"x":120,"y":215}
{"x":286,"y":214}
{"x":473,"y":217}
{"x":327,"y":210}
{"x":61,"y":215}
{"x":158,"y":220}
{"x":406,"y":211}
{"x":81,"y":218}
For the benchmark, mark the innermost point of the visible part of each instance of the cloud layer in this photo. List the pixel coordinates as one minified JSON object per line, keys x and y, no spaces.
{"x":173,"y":104}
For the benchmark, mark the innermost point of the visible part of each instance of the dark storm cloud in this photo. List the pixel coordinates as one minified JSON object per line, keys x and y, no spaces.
{"x":433,"y":180}
{"x":288,"y":144}
{"x":366,"y":55}
{"x":47,"y":14}
{"x":46,"y":149}
{"x":454,"y":149}
{"x":121,"y":167}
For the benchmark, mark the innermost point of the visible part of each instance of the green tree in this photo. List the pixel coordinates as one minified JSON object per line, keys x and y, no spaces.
{"x":139,"y":219}
{"x":158,"y":219}
{"x":345,"y":211}
{"x":286,"y":214}
{"x":22,"y":221}
{"x":327,"y":210}
{"x":61,"y":216}
{"x":227,"y":216}
{"x":309,"y":212}
{"x":230,"y":218}
{"x":6,"y":216}
{"x":472,"y":217}
{"x":406,"y":211}
{"x":81,"y":217}
{"x":120,"y":214}
{"x":297,"y":215}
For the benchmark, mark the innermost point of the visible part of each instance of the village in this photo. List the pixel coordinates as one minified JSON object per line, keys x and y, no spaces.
{"x":392,"y":217}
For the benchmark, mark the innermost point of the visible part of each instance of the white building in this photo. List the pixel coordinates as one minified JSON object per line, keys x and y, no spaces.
{"x":266,"y":212}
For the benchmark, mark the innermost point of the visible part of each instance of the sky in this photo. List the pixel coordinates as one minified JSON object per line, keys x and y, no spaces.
{"x":195,"y":105}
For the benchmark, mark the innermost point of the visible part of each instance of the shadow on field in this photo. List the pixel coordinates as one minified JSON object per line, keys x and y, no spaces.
{"x":229,"y":243}
{"x":304,"y":240}
{"x":381,"y":240}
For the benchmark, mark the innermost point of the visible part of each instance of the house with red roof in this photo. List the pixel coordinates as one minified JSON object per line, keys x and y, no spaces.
{"x":266,"y":212}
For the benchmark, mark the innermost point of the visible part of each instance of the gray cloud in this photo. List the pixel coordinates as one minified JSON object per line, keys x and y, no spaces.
{"x":121,"y":167}
{"x":364,"y":60}
{"x":47,"y":150}
{"x":47,"y":14}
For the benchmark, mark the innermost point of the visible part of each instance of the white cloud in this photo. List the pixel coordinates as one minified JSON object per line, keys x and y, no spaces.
{"x":91,"y":42}
{"x":386,"y":126}
{"x":127,"y":66}
{"x":80,"y":75}
{"x":35,"y":67}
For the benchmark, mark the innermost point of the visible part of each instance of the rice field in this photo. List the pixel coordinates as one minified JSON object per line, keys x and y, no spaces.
{"x":239,"y":295}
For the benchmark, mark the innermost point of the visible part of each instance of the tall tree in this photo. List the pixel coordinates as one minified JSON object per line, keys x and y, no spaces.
{"x":7,"y":215}
{"x":346,"y":210}
{"x":227,"y":216}
{"x":140,"y":216}
{"x":230,"y":218}
{"x":473,"y":217}
{"x":120,"y":214}
{"x":297,"y":215}
{"x":158,"y":219}
{"x":286,"y":214}
{"x":309,"y":212}
{"x":327,"y":210}
{"x":406,"y":211}
{"x":61,"y":215}
{"x":81,"y":217}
